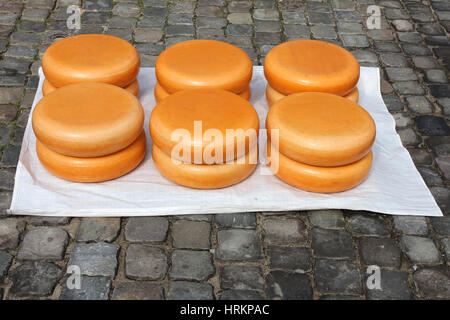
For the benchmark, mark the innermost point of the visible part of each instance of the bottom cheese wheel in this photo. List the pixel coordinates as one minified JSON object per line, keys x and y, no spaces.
{"x":273,"y":95}
{"x":161,"y":93}
{"x":204,"y":176}
{"x":93,"y":169}
{"x":318,"y":179}
{"x":47,"y":87}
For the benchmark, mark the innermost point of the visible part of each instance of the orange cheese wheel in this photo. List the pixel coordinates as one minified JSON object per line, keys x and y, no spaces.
{"x":311,"y":66}
{"x":204,"y":176}
{"x":191,"y":125}
{"x":47,"y":88}
{"x":273,"y":95}
{"x":318,"y":179}
{"x":161,"y":93}
{"x":89,"y":119}
{"x":93,"y":169}
{"x":321,"y":129}
{"x":91,"y":57}
{"x":203,"y":64}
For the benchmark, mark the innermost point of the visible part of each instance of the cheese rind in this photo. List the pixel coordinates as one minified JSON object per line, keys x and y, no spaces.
{"x":274,"y":96}
{"x":203,"y":64}
{"x":197,"y":121}
{"x":88,"y":119}
{"x":160,"y":93}
{"x":91,"y":57}
{"x":311,"y":66}
{"x":95,"y":169}
{"x":321,"y":129}
{"x":204,"y":176}
{"x":47,"y":88}
{"x":318,"y":179}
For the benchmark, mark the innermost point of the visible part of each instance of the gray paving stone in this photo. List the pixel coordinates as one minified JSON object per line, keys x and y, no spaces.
{"x":92,"y":288}
{"x":419,"y":104}
{"x":441,"y":225}
{"x":290,"y":258}
{"x":432,"y":126}
{"x":267,"y":37}
{"x":155,"y":11}
{"x":145,"y":263}
{"x":420,"y":250}
{"x":401,"y":74}
{"x":125,"y":10}
{"x":7,"y":113}
{"x":240,"y":18}
{"x":420,"y":156}
{"x":288,"y":286}
{"x":241,"y":278}
{"x":424,"y":62}
{"x":293,"y":17}
{"x":337,"y":276}
{"x":191,"y":265}
{"x":34,"y":279}
{"x":211,"y":22}
{"x":412,"y":49}
{"x":320,"y":18}
{"x":410,"y":225}
{"x":284,"y":230}
{"x":297,"y":30}
{"x":95,"y":259}
{"x":332,"y":219}
{"x":184,"y":290}
{"x":180,"y":30}
{"x":98,"y":229}
{"x":98,"y":4}
{"x":10,"y":156}
{"x":10,"y":231}
{"x":446,"y":246}
{"x":182,"y":7}
{"x":238,"y":244}
{"x":381,"y":46}
{"x":12,"y":66}
{"x":191,"y":234}
{"x":236,"y":220}
{"x":394,"y":285}
{"x":430,"y":29}
{"x":49,"y":221}
{"x":95,"y":18}
{"x":239,"y":6}
{"x":349,"y":28}
{"x":438,"y":76}
{"x":402,"y":120}
{"x":43,"y":243}
{"x":443,"y":164}
{"x":195,"y":217}
{"x":146,"y":229}
{"x":5,"y":202}
{"x":433,"y":282}
{"x":240,"y":29}
{"x":210,"y":11}
{"x":323,"y":32}
{"x":5,"y":263}
{"x":125,"y":23}
{"x":241,"y":295}
{"x":409,"y":37}
{"x":383,"y":252}
{"x":266,"y":14}
{"x":408,"y":136}
{"x":34,"y":14}
{"x":442,"y":197}
{"x":368,"y":224}
{"x":332,"y":243}
{"x":8,"y":18}
{"x":267,"y":26}
{"x":354,"y":40}
{"x":141,"y":290}
{"x":153,"y":22}
{"x":393,"y":60}
{"x":339,"y":297}
{"x":403,"y":25}
{"x":6,"y":183}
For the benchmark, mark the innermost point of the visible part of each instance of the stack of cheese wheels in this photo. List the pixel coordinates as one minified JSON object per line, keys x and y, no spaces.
{"x":91,"y":58}
{"x":310,"y":66}
{"x":89,"y":132}
{"x":204,"y":138}
{"x":198,"y":64}
{"x":319,"y":142}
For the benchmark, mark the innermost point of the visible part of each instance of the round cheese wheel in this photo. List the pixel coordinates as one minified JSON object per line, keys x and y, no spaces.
{"x":311,"y":66}
{"x":89,"y":119}
{"x":91,"y":57}
{"x":47,"y":88}
{"x":93,"y":169}
{"x":204,"y":176}
{"x":161,"y":93}
{"x":321,"y":129}
{"x":203,"y":64}
{"x":195,"y":125}
{"x":318,"y":179}
{"x":273,"y":95}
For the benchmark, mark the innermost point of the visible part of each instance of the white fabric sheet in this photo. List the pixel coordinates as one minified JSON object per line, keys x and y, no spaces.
{"x":394,"y":186}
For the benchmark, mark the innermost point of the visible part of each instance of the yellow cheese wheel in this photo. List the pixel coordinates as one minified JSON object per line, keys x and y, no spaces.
{"x":203,"y":64}
{"x":318,"y":179}
{"x":161,"y":93}
{"x":47,"y":88}
{"x":204,"y":176}
{"x":196,"y":121}
{"x":93,"y":169}
{"x":273,"y":95}
{"x":91,"y":57}
{"x":311,"y":66}
{"x":321,"y":129}
{"x":89,"y":119}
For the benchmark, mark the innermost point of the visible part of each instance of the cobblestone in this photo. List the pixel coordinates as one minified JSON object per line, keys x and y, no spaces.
{"x":146,"y":229}
{"x":98,"y":229}
{"x":288,"y":286}
{"x":99,"y":259}
{"x":420,"y":250}
{"x":92,"y":288}
{"x":34,"y":279}
{"x":145,"y":263}
{"x":44,"y":243}
{"x":191,"y":234}
{"x":183,"y":290}
{"x":138,"y":291}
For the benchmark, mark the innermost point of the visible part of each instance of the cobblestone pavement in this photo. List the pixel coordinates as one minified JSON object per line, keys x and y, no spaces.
{"x":292,"y":255}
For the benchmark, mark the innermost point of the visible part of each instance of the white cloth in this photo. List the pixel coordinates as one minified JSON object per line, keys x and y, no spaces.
{"x":394,"y":186}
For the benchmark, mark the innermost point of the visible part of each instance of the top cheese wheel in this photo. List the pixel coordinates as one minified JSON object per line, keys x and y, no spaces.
{"x":91,"y":57}
{"x":89,"y":119}
{"x":203,"y":64}
{"x":311,"y":66}
{"x":320,"y":129}
{"x":194,"y":126}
